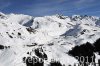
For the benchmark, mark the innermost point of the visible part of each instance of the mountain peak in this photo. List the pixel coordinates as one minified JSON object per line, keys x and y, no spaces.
{"x":2,"y":15}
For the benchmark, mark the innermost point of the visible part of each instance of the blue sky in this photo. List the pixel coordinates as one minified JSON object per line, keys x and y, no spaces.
{"x":51,"y":7}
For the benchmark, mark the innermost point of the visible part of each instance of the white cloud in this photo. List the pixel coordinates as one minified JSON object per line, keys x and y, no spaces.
{"x":84,"y":1}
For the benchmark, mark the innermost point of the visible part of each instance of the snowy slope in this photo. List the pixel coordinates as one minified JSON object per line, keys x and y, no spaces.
{"x":56,"y":35}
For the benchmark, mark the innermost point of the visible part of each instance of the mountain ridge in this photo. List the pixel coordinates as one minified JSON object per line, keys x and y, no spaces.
{"x":54,"y":35}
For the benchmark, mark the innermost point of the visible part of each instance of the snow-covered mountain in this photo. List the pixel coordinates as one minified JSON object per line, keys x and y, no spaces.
{"x":48,"y":38}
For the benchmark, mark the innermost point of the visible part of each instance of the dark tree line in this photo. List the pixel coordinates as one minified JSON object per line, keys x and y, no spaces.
{"x":86,"y":50}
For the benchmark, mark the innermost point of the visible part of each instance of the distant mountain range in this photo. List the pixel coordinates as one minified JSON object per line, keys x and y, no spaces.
{"x":57,"y":38}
